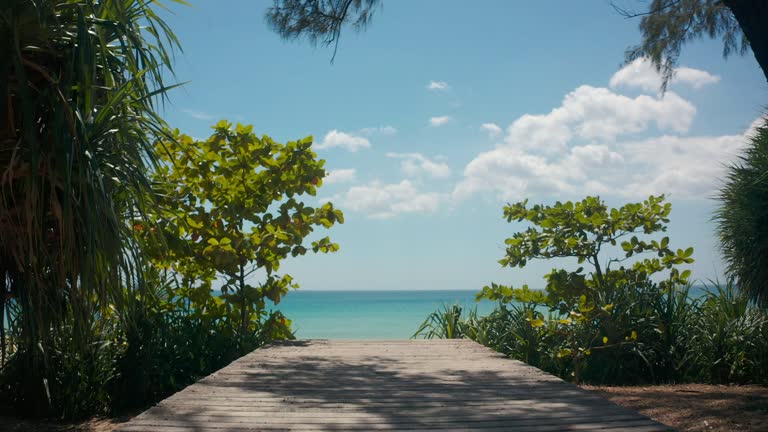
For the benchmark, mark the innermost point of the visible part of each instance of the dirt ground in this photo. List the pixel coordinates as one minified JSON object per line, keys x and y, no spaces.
{"x":8,"y":424}
{"x":689,"y":407}
{"x":696,"y":407}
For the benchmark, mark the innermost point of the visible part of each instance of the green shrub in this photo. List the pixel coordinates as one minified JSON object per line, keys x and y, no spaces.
{"x":445,"y":323}
{"x":730,"y":340}
{"x":613,"y":325}
{"x":720,"y":338}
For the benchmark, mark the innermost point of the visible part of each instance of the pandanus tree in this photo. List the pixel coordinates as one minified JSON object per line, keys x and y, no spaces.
{"x":742,"y":217}
{"x":79,"y":84}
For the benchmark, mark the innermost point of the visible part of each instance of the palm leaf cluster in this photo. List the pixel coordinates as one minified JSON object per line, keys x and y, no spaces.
{"x":79,"y":80}
{"x":742,"y":217}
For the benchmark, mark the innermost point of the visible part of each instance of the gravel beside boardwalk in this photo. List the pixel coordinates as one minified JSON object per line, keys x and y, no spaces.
{"x":438,"y":385}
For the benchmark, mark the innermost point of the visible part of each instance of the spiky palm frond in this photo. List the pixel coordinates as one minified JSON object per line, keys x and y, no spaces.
{"x":445,"y":323}
{"x":742,"y":218}
{"x":77,"y":124}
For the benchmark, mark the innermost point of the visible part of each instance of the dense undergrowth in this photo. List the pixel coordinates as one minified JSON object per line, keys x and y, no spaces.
{"x":629,"y":317}
{"x":652,"y":336}
{"x":133,"y":358}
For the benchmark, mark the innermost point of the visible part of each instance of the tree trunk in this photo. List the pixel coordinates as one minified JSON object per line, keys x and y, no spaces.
{"x":244,"y":315}
{"x":243,"y":307}
{"x":752,"y":16}
{"x":3,"y":297}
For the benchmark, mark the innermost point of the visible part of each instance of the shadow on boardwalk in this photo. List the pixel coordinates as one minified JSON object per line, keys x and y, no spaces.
{"x":388,"y":385}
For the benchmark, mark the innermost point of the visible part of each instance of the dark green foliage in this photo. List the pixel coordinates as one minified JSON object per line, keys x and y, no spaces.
{"x":742,"y":218}
{"x":79,"y":81}
{"x":78,"y":372}
{"x":730,"y":341}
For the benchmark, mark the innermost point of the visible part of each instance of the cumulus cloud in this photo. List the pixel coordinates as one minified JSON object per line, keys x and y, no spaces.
{"x":686,"y":167}
{"x":340,"y":176}
{"x":641,"y":74}
{"x":492,"y":129}
{"x":347,"y":141}
{"x":380,"y":130}
{"x":594,"y":113}
{"x":416,"y":164}
{"x":437,"y":85}
{"x":511,"y":173}
{"x":601,"y":142}
{"x":382,"y":201}
{"x":439,"y":121}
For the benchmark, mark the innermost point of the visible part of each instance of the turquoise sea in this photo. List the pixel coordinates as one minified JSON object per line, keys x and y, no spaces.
{"x":368,"y":314}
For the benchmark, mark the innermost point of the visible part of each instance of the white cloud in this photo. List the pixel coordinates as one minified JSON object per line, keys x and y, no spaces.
{"x":340,"y":176}
{"x":200,"y":115}
{"x":437,"y":85}
{"x":688,"y":167}
{"x":350,"y":142}
{"x":492,"y":129}
{"x":696,"y":78}
{"x":683,"y":166}
{"x":439,"y":121}
{"x":416,"y":164}
{"x":641,"y":74}
{"x":511,"y":173}
{"x":594,"y":113}
{"x":601,"y":142}
{"x":380,"y":130}
{"x":382,"y":201}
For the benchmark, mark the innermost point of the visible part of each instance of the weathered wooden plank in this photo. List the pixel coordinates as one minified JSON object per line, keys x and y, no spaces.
{"x":410,"y":398}
{"x":364,"y":426}
{"x":374,"y":394}
{"x":513,"y":418}
{"x":630,"y":428}
{"x":531,"y":411}
{"x":301,"y":404}
{"x":451,"y":385}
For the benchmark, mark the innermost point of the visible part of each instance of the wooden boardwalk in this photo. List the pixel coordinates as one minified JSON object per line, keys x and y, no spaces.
{"x":438,"y":385}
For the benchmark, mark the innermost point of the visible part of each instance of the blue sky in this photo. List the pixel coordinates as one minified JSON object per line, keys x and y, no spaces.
{"x":443,"y":111}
